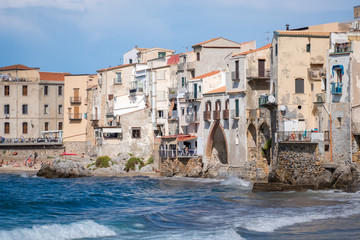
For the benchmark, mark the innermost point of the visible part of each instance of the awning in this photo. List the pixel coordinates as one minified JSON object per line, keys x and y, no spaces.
{"x":187,"y":138}
{"x":112,"y":130}
{"x":337,"y":67}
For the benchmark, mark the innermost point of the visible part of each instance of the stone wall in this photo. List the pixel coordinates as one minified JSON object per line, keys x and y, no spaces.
{"x":75,"y":147}
{"x":297,"y":163}
{"x":25,"y":152}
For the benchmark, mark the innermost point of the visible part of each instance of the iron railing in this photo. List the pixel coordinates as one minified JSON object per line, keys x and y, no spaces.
{"x":75,"y":99}
{"x":294,"y":136}
{"x":336,"y":88}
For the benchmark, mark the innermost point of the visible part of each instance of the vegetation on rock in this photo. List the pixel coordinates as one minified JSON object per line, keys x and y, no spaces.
{"x":103,"y":162}
{"x":132,"y":162}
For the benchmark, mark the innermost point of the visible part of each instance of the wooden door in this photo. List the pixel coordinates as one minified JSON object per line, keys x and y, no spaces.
{"x":261,"y":67}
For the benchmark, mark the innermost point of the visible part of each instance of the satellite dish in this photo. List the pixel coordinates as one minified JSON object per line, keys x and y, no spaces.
{"x":283,"y":108}
{"x":271,"y":99}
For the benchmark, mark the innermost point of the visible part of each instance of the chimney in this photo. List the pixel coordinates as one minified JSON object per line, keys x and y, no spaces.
{"x":356,"y":11}
{"x":287,"y":27}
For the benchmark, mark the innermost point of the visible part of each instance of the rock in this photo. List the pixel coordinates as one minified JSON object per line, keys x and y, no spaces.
{"x":147,"y":168}
{"x":346,"y":178}
{"x":193,"y":168}
{"x":67,"y":169}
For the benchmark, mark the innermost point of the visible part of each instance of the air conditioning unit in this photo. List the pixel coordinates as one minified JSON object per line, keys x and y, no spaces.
{"x":7,"y":115}
{"x":320,"y":97}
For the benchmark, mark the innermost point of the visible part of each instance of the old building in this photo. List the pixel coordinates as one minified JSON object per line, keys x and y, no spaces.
{"x":32,"y":103}
{"x":76,"y":117}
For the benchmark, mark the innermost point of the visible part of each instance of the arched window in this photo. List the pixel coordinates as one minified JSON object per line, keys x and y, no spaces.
{"x":227,"y":104}
{"x":218,"y":105}
{"x":208,"y":106}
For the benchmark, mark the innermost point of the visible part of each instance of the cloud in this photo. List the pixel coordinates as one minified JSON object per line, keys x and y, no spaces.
{"x":62,"y":4}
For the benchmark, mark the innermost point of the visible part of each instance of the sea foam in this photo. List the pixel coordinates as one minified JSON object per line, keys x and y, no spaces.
{"x":271,"y":221}
{"x":76,"y":230}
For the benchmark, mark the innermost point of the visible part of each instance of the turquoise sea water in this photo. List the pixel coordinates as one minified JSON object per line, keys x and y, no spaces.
{"x":163,"y":208}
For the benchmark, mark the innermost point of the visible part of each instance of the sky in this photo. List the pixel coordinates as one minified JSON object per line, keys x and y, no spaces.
{"x":83,"y":36}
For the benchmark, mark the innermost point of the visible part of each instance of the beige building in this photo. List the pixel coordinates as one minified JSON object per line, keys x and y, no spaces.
{"x":32,"y":102}
{"x":76,"y":116}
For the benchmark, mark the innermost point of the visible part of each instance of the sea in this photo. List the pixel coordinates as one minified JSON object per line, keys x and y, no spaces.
{"x":169,"y":208}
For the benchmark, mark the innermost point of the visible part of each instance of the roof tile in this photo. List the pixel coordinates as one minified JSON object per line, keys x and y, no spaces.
{"x":207,"y":75}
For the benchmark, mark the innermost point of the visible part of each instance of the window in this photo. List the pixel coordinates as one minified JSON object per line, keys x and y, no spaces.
{"x":183,"y":81}
{"x":136,"y":133}
{"x":7,"y":90}
{"x":60,"y":126}
{"x":199,"y":88}
{"x":60,"y":90}
{"x":24,"y":128}
{"x":130,"y":60}
{"x":46,"y":90}
{"x":192,"y":72}
{"x":161,"y":54}
{"x":299,"y":85}
{"x":6,"y":109}
{"x":237,"y":75}
{"x":24,"y":109}
{"x":339,"y":74}
{"x":60,"y":109}
{"x":7,"y":128}
{"x":160,"y":114}
{"x":46,"y":109}
{"x":46,"y":126}
{"x":110,"y":97}
{"x":198,"y":56}
{"x":24,"y":90}
{"x":308,"y":47}
{"x":276,"y":49}
{"x":182,"y":111}
{"x":118,"y":78}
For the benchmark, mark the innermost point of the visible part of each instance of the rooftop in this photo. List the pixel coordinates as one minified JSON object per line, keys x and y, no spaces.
{"x":52,"y":76}
{"x":302,"y":33}
{"x":255,"y":50}
{"x":221,"y":89}
{"x":16,"y":67}
{"x":112,"y":68}
{"x":207,"y":75}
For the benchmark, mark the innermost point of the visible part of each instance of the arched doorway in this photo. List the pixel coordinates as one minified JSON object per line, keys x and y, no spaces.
{"x":216,"y":149}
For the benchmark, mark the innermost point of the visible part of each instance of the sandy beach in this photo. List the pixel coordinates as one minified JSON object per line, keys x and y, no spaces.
{"x":15,"y":164}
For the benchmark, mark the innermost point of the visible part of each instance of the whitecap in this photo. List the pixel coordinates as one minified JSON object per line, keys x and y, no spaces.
{"x":272,"y":220}
{"x":76,"y":230}
{"x":234,"y":181}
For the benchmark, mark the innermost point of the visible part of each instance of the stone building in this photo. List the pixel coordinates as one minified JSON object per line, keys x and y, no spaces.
{"x":31,"y":102}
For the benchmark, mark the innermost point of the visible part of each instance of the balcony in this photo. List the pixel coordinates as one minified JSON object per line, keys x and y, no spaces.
{"x":174,"y":115}
{"x":94,"y":117}
{"x":225,"y":114}
{"x":254,"y":73}
{"x":267,"y":101}
{"x":336,"y":88}
{"x":192,"y":118}
{"x":132,"y":91}
{"x":316,"y":73}
{"x":216,"y":115}
{"x":181,"y":67}
{"x":235,"y":114}
{"x":190,"y":66}
{"x":193,"y":96}
{"x":342,"y":47}
{"x":319,"y":98}
{"x":207,"y":116}
{"x":294,"y":136}
{"x":235,"y":76}
{"x":75,"y":116}
{"x":172,"y":93}
{"x":75,"y":100}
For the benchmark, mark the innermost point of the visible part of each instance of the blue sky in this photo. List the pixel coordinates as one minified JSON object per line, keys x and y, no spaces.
{"x":82,"y":36}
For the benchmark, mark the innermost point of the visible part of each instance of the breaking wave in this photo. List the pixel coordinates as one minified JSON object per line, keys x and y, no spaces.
{"x":76,"y":230}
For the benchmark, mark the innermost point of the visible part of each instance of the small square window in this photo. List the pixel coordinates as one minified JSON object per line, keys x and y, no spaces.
{"x":160,"y":114}
{"x":60,"y":109}
{"x":46,"y":90}
{"x":24,"y":109}
{"x":25,"y":128}
{"x":46,"y":109}
{"x":136,"y":133}
{"x":7,"y":90}
{"x":46,"y":126}
{"x":24,"y":90}
{"x":60,"y":90}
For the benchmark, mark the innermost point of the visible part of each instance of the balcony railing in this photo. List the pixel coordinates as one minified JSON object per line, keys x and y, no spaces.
{"x":255,"y":73}
{"x":235,"y":114}
{"x":216,"y":115}
{"x":319,"y":98}
{"x":194,"y":95}
{"x":174,"y":114}
{"x":294,"y":136}
{"x":190,"y":65}
{"x":336,"y":88}
{"x":75,"y":116}
{"x":235,"y":76}
{"x":207,"y":116}
{"x":192,"y":118}
{"x":132,"y":91}
{"x":94,"y":117}
{"x":172,"y":93}
{"x":225,"y":114}
{"x":75,"y":99}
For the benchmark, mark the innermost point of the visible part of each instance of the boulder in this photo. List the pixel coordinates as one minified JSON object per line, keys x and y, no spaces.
{"x":66,"y":169}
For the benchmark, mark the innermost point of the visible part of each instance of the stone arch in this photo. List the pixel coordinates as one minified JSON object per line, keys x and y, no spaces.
{"x":264,"y":136}
{"x":217,"y":147}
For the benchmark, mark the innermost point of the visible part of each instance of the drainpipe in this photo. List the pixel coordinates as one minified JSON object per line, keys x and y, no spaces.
{"x":330,"y":132}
